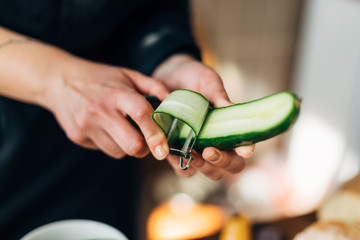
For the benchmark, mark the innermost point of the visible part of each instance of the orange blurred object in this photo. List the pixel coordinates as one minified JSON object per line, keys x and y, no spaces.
{"x":184,"y":221}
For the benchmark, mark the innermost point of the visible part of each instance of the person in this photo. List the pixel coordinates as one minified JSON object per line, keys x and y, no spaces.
{"x":71,"y":75}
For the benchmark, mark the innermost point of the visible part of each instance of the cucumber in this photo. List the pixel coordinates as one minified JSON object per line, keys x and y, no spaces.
{"x":228,"y":127}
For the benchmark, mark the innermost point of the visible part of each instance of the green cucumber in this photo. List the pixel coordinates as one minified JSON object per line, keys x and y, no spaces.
{"x":228,"y":127}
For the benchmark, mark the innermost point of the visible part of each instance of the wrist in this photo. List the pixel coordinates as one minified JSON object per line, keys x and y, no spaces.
{"x":49,"y":69}
{"x":61,"y":68}
{"x":29,"y":68}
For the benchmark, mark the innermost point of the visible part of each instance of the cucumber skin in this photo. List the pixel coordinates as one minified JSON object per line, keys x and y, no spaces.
{"x":229,"y":142}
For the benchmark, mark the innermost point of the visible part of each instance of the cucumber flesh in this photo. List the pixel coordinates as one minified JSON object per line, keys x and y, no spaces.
{"x":249,"y":123}
{"x":188,"y":106}
{"x":228,"y":127}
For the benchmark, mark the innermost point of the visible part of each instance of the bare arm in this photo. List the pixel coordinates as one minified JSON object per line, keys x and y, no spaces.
{"x":24,"y":66}
{"x":90,"y":100}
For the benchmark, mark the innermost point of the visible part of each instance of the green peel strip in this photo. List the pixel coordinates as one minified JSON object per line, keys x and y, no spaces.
{"x":189,"y":107}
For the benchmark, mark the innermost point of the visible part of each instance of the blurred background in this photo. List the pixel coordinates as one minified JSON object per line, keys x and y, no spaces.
{"x":259,"y":47}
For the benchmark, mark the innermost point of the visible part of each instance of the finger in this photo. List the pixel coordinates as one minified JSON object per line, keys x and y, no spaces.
{"x":73,"y":132}
{"x":245,"y":151}
{"x":89,"y":144}
{"x":217,"y":95}
{"x":212,"y":88}
{"x":206,"y":168}
{"x":79,"y":138}
{"x":220,"y":99}
{"x":147,"y":85}
{"x":227,"y":160}
{"x":140,"y":111}
{"x":125,"y":135}
{"x":175,"y":164}
{"x":221,"y":102}
{"x":106,"y":144}
{"x":83,"y":141}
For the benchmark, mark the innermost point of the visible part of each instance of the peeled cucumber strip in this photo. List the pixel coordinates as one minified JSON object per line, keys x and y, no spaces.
{"x":189,"y":107}
{"x":237,"y":125}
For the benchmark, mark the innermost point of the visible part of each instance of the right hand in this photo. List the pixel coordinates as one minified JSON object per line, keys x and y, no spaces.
{"x":92,"y":101}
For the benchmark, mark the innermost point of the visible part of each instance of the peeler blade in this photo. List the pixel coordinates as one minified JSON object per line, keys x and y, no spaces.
{"x":184,"y":152}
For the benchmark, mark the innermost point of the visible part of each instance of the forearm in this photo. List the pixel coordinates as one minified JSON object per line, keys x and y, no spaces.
{"x":27,"y":67}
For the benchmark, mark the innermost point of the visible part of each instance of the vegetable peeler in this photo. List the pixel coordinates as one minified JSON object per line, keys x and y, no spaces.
{"x":185,"y":151}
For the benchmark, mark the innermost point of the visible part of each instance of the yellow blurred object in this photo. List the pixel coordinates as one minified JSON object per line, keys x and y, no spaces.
{"x":236,"y":228}
{"x":194,"y":222}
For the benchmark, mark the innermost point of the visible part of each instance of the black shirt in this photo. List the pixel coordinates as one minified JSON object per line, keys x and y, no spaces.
{"x":44,"y":177}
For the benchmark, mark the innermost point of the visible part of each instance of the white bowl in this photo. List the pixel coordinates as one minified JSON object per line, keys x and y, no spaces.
{"x":75,"y":229}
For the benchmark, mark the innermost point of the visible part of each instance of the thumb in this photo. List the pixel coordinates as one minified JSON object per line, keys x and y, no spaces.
{"x":219,"y":98}
{"x":213,"y":89}
{"x":222,"y":102}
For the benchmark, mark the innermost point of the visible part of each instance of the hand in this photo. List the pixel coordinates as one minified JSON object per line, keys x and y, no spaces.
{"x":184,"y":72}
{"x":92,"y":101}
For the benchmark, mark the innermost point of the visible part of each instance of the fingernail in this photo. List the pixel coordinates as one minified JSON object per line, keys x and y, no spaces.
{"x":245,"y":151}
{"x":214,"y":156}
{"x":160,"y":152}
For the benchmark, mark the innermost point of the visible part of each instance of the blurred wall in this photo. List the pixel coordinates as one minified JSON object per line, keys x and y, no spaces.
{"x":249,"y":42}
{"x":310,"y":47}
{"x":324,"y":145}
{"x":313,"y":49}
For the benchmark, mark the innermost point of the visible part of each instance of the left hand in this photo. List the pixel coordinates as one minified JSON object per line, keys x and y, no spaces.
{"x":184,"y":72}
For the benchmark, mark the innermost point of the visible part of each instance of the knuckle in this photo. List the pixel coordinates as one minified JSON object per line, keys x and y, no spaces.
{"x":198,"y":163}
{"x":236,"y":170}
{"x":209,"y":75}
{"x":135,"y":74}
{"x":186,"y":174}
{"x":155,"y":138}
{"x":240,"y":166}
{"x":83,"y":118}
{"x":213,"y":173}
{"x":222,"y":162}
{"x":82,"y":122}
{"x":141,"y":111}
{"x":77,"y":137}
{"x":119,"y":155}
{"x":135,"y":148}
{"x":216,"y":175}
{"x":157,"y":85}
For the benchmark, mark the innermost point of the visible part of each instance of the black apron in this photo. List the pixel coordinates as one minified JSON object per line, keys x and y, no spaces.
{"x":44,"y":177}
